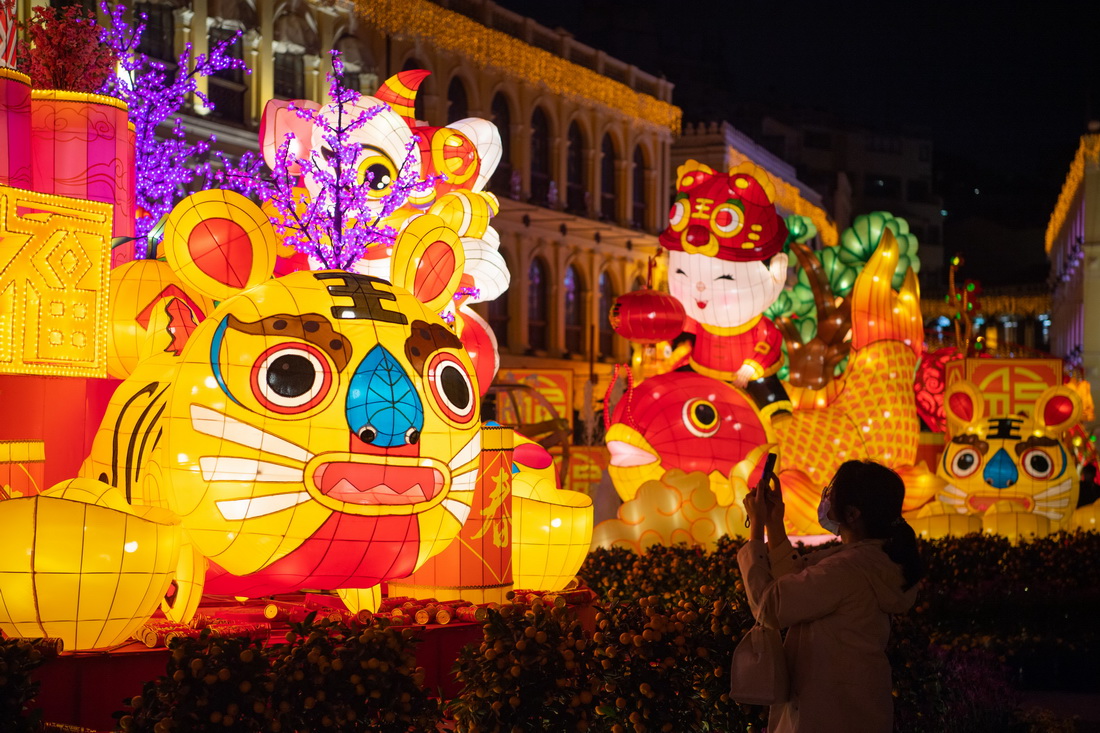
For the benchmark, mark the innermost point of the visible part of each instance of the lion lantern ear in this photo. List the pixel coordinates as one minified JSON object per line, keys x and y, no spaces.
{"x":219,"y":243}
{"x":277,"y":122}
{"x":428,"y":261}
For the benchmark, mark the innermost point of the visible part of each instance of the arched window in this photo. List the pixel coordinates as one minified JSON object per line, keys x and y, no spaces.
{"x":295,"y":35}
{"x":574,"y":311}
{"x":458,"y":108}
{"x":159,"y":39}
{"x":607,"y":298}
{"x":576,"y":173}
{"x":639,"y":215}
{"x":538,"y":297}
{"x":418,"y":107}
{"x":360,"y":68}
{"x":501,"y":181}
{"x":497,"y":313}
{"x":607,"y":179}
{"x":540,"y":157}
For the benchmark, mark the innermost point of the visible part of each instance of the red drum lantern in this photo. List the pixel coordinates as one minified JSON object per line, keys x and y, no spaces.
{"x":83,"y":147}
{"x":647,"y":316}
{"x":15,"y":129}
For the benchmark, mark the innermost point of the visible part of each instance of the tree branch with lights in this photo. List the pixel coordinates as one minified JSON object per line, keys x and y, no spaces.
{"x":343,"y":220}
{"x":165,"y":162}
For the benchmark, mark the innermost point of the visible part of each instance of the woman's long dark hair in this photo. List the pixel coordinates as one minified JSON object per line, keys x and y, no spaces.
{"x":878,"y":493}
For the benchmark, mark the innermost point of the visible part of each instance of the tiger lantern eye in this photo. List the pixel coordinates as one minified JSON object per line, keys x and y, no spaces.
{"x":290,"y":378}
{"x":966,"y":462}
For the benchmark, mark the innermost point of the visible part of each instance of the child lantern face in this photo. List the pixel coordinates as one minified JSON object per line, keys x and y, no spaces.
{"x":724,"y":293}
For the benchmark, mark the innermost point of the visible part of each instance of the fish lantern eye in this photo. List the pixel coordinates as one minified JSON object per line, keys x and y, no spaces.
{"x":701,"y":418}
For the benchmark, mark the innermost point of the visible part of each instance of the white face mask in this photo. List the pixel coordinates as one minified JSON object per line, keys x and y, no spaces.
{"x":823,"y":516}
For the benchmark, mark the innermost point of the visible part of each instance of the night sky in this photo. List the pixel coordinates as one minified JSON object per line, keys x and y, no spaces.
{"x":1004,"y":89}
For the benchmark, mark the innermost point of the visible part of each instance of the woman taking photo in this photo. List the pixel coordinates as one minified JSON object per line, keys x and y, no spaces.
{"x":836,"y":602}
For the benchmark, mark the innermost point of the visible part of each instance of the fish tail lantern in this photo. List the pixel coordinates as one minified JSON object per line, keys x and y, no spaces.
{"x":15,"y":129}
{"x":478,"y":566}
{"x":83,"y":147}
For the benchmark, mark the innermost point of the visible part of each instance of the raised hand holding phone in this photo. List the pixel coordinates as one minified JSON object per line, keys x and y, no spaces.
{"x":760,"y":498}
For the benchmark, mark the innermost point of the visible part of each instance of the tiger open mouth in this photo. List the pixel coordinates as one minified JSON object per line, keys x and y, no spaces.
{"x":981,"y":503}
{"x":379,"y":485}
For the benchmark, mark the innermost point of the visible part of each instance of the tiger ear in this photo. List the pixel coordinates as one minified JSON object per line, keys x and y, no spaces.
{"x":219,"y":243}
{"x":963,"y":405}
{"x":1058,"y":408}
{"x":428,"y":260}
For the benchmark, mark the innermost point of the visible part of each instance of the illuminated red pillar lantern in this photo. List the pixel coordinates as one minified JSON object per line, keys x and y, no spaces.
{"x":647,"y":316}
{"x":477,"y":566}
{"x":15,"y":129}
{"x":83,"y":147}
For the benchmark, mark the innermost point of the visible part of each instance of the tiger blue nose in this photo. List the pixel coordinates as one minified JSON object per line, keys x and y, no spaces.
{"x":1000,"y":473}
{"x":383,"y":408}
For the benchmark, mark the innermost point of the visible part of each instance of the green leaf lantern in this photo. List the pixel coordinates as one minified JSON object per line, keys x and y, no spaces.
{"x":800,"y":229}
{"x":859,"y":242}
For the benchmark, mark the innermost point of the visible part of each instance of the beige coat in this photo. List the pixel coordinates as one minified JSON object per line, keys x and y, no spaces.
{"x":836,"y":604}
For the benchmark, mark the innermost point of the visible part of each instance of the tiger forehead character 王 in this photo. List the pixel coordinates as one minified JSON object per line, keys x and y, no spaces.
{"x":1011,"y":463}
{"x":319,"y":430}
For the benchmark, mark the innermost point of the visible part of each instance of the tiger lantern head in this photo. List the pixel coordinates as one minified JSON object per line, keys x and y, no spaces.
{"x":318,"y":430}
{"x":1010,"y":463}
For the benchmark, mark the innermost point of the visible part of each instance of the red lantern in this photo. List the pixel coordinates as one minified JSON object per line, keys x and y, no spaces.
{"x":647,"y":316}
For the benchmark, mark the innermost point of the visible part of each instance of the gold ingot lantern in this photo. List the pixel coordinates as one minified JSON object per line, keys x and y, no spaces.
{"x":96,"y":571}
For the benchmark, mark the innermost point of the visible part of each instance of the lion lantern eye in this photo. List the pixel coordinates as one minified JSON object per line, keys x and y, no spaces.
{"x":290,"y":378}
{"x":966,"y":462}
{"x":452,"y":387}
{"x":677,"y":216}
{"x":701,"y":418}
{"x":1037,"y":464}
{"x":727,"y":219}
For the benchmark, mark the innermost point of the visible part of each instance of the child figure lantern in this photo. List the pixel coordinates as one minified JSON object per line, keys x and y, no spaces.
{"x":726,"y":266}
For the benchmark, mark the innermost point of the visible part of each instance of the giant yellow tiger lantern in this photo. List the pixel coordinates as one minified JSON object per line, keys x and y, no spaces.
{"x":1011,"y":471}
{"x":317,"y":430}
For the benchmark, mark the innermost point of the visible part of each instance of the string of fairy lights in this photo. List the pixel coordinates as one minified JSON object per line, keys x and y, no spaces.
{"x":486,"y":47}
{"x":1088,"y":152}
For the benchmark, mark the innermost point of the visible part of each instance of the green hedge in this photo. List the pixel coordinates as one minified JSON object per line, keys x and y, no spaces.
{"x":326,"y":677}
{"x":991,"y":620}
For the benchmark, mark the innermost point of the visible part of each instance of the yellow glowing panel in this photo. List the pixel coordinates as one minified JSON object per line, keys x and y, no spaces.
{"x":53,"y":294}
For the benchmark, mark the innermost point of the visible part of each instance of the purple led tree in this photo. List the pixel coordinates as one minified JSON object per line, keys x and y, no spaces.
{"x":342,"y":219}
{"x":165,"y":165}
